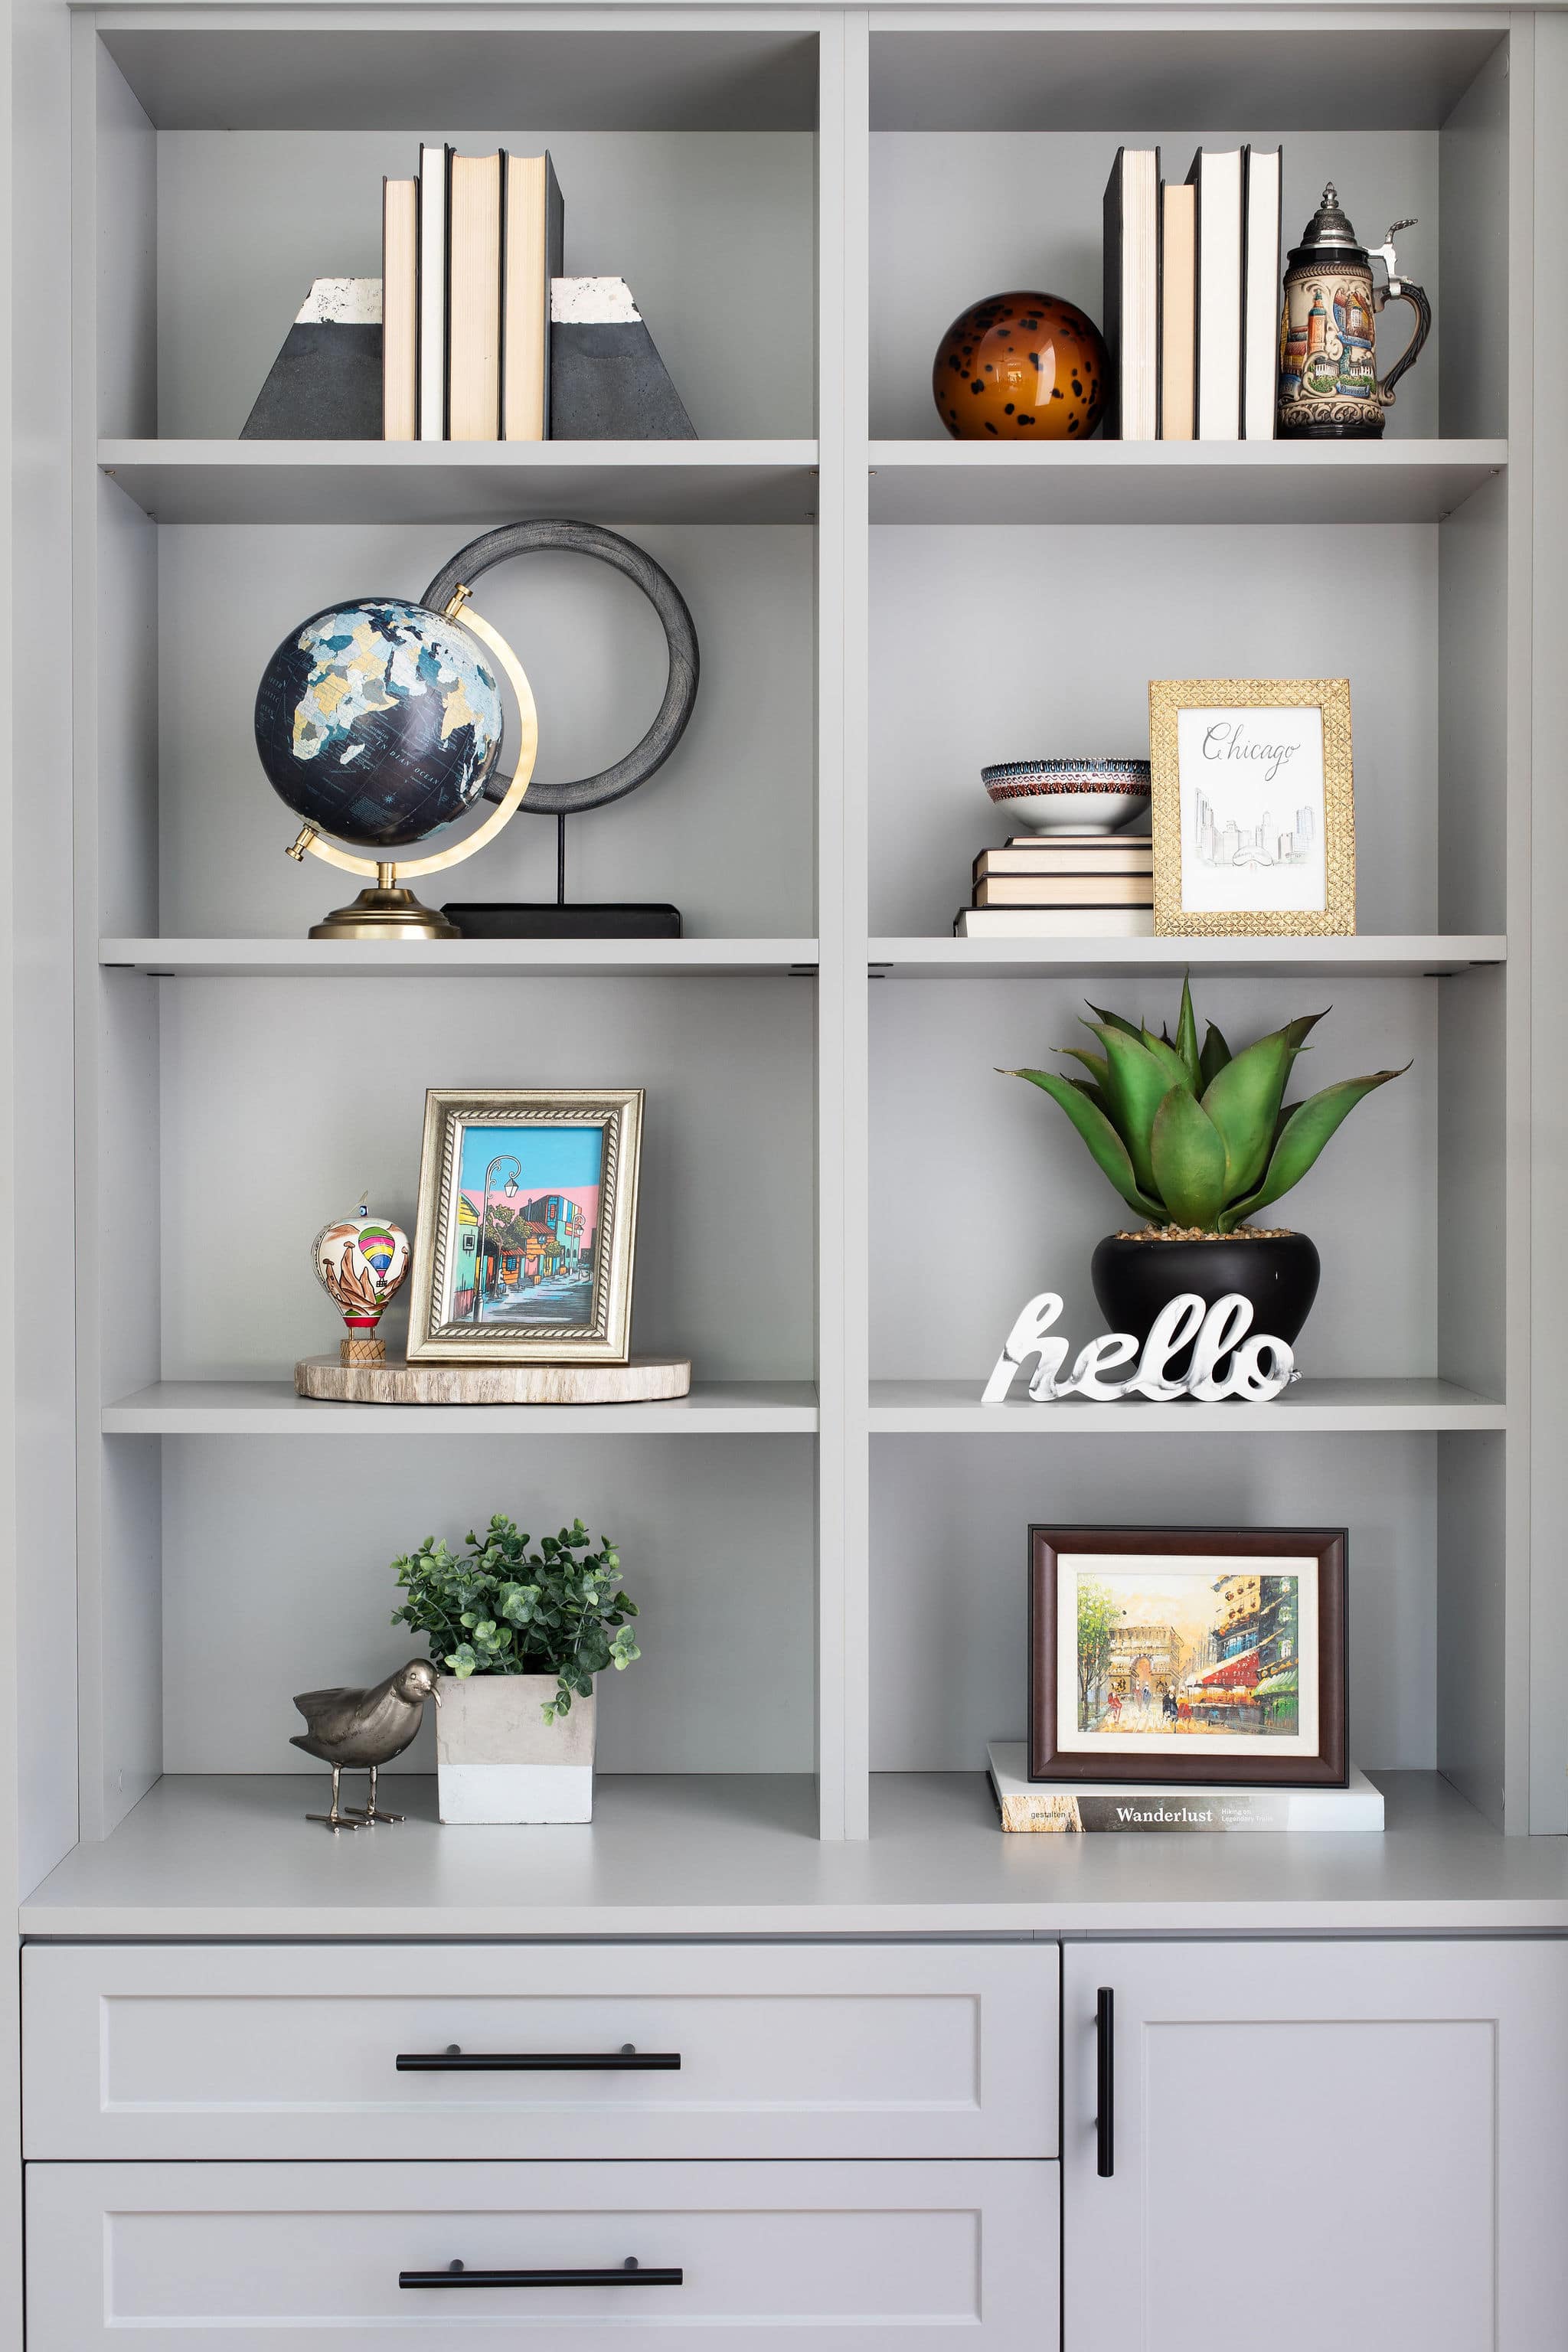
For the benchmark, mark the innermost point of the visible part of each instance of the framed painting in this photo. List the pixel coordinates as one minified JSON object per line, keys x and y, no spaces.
{"x":527,"y":1228}
{"x":1253,"y":806}
{"x":1209,"y":1655}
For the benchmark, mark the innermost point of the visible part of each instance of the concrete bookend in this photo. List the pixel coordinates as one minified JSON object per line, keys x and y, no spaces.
{"x":325,"y":383}
{"x":607,"y":382}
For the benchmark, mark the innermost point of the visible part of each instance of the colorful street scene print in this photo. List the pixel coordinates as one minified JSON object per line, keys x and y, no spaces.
{"x":1208,"y":1653}
{"x":527,"y":1225}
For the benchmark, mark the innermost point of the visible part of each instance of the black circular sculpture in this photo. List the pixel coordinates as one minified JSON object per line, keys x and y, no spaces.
{"x":511,"y":539}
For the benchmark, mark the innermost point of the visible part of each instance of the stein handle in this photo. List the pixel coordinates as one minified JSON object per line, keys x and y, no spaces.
{"x":1400,"y":290}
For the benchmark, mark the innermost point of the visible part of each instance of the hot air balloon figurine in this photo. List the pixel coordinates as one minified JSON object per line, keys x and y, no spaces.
{"x":360,"y":1262}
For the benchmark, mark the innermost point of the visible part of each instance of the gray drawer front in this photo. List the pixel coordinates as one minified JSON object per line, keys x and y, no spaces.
{"x":239,"y":2258}
{"x":785,"y":2051}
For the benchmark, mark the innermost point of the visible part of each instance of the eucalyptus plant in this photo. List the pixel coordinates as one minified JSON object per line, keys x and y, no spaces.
{"x":1198,"y":1138}
{"x":500,"y":1609}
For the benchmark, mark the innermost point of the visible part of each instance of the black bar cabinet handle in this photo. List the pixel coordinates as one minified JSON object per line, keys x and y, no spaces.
{"x":631,"y":2273}
{"x":538,"y":2062}
{"x":1105,"y":2081}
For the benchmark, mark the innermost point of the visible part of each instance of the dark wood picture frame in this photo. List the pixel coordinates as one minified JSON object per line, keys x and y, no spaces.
{"x":1329,"y":1769}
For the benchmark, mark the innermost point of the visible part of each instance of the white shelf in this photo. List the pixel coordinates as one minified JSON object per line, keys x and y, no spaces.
{"x":719,"y":1854}
{"x":453,"y":959}
{"x":1390,"y":74}
{"x":271,"y":1409}
{"x":466,"y":482}
{"x":1395,"y":956}
{"x":1177,"y":481}
{"x":1347,"y":1407}
{"x":460,"y":74}
{"x":776,"y":481}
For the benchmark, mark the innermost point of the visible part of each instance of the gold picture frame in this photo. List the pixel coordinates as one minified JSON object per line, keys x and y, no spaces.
{"x":1305,"y":890}
{"x":526,"y":1236}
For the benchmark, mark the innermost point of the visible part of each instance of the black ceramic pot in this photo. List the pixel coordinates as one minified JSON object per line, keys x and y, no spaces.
{"x":1133,"y":1280}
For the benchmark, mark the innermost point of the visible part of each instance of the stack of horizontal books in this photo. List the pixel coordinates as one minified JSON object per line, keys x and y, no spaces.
{"x":1069,"y":885}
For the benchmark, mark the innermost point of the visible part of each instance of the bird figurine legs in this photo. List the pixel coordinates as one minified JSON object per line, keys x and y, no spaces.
{"x":370,"y":1814}
{"x":336,"y":1819}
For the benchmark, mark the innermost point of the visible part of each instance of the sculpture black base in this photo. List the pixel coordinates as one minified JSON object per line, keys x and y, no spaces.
{"x":586,"y":920}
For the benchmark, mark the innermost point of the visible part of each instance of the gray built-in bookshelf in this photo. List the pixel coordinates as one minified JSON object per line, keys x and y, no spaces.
{"x":843,"y":1203}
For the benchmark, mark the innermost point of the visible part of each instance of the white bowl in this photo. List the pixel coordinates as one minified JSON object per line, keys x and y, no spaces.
{"x":1069,"y":795}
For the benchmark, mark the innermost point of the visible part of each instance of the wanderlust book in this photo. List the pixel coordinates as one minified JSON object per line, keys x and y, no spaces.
{"x":1063,"y":1809}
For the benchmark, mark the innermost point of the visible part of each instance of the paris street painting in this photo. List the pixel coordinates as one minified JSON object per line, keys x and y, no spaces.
{"x":1162,"y":1656}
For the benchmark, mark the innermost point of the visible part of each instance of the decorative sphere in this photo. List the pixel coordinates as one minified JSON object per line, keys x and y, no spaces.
{"x":1021,"y":367}
{"x":378,"y":721}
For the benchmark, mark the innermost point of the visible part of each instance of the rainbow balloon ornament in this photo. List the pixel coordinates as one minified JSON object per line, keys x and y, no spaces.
{"x":360,"y":1262}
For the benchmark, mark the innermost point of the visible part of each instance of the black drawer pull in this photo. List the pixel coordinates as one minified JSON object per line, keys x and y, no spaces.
{"x":1105,"y":2081}
{"x":631,"y":2273}
{"x":627,"y":2059}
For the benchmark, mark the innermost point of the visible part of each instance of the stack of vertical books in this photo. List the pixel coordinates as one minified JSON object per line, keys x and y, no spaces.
{"x":1077,"y":885}
{"x":1193,"y":297}
{"x":470,"y":248}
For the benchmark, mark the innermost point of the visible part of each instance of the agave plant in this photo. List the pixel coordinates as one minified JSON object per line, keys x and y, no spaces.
{"x":1201,"y":1138}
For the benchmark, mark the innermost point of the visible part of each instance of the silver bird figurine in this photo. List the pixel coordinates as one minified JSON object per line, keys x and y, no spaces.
{"x":360,"y":1729}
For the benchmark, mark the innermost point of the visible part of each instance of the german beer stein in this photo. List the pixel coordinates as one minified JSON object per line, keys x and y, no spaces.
{"x":1328,"y":384}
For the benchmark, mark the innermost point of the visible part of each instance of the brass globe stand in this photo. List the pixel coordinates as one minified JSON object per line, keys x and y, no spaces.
{"x":388,"y":909}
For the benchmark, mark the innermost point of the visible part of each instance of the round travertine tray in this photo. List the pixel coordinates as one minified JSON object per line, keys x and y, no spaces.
{"x":643,"y":1380}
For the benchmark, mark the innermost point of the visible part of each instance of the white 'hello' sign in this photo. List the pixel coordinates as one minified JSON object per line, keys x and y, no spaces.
{"x":1213,"y":1333}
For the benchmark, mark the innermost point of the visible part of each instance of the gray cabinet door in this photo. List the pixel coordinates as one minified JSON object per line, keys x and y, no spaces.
{"x":1316,"y":2145}
{"x":350,"y":2257}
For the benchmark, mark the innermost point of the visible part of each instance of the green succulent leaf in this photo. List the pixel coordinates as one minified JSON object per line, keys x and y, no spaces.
{"x":1243,"y":1100}
{"x":1095,"y":1063}
{"x":1189,"y":1159}
{"x":1136,"y":1082}
{"x":1169,"y":1061}
{"x":1110,"y":1154}
{"x":1213,"y":1057}
{"x":1114,"y":1021}
{"x":1187,"y":1042}
{"x":1302,"y":1137}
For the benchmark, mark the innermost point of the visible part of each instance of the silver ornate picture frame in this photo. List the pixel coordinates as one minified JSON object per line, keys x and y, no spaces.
{"x":527,"y":1229}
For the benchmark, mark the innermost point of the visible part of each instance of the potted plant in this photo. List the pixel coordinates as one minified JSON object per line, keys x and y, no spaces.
{"x":1198,"y":1140}
{"x":521,"y":1635}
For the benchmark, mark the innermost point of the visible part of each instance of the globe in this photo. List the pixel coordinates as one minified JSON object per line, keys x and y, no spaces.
{"x":378,"y":721}
{"x":1021,"y":367}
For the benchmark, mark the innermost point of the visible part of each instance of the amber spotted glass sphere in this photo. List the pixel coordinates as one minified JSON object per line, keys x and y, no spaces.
{"x":1021,"y":367}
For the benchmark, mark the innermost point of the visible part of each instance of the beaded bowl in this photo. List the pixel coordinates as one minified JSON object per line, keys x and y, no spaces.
{"x":1069,"y":795}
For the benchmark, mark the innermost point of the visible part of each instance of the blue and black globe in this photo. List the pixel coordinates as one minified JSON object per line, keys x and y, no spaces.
{"x":378,"y":721}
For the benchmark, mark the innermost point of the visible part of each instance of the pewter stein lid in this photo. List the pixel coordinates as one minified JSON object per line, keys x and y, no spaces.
{"x":1328,"y":226}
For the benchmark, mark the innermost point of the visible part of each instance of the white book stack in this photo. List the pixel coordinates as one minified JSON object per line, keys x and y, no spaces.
{"x":1067,"y":885}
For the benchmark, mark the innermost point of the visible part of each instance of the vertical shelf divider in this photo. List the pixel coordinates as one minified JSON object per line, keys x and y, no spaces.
{"x":1539,"y":889}
{"x":840,"y":1648}
{"x":855,"y":1193}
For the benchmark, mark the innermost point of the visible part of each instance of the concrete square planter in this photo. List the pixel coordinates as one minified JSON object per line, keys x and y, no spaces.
{"x":497,"y":1758}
